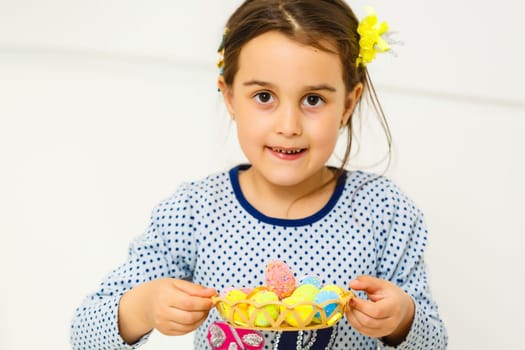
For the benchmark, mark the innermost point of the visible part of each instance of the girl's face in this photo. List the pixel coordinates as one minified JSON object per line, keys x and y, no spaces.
{"x":289,"y":102}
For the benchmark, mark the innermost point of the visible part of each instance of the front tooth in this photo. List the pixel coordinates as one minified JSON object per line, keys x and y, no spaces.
{"x":289,"y":151}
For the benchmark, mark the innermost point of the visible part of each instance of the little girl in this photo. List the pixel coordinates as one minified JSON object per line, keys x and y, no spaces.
{"x":292,"y":73}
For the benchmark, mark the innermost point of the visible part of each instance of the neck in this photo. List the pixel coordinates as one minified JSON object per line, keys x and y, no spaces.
{"x":288,"y":202}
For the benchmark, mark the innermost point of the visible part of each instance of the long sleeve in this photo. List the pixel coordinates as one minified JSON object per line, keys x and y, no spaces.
{"x":166,"y":249}
{"x":401,"y":238}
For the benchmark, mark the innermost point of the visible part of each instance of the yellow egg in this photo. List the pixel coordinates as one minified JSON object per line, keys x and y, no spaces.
{"x":296,"y":315}
{"x":306,"y":292}
{"x":235,"y":295}
{"x":334,"y":288}
{"x":240,"y":315}
{"x":233,"y":309}
{"x":264,"y":314}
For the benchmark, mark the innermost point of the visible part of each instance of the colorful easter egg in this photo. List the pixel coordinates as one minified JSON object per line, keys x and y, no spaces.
{"x":340,"y":291}
{"x":325,"y":297}
{"x":238,"y":312}
{"x":306,"y":292}
{"x":280,"y":279}
{"x":297,"y":314}
{"x":316,"y":281}
{"x":271,"y":311}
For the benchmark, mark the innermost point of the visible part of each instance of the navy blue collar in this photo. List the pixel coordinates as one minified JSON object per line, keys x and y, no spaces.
{"x":234,"y":178}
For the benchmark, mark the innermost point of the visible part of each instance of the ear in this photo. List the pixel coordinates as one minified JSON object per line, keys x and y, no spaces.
{"x":227,"y":95}
{"x":351,"y":101}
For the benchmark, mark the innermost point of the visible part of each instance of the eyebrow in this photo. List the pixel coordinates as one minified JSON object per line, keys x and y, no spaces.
{"x":308,"y":88}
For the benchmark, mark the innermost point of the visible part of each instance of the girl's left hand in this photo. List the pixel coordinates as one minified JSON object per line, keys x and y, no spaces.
{"x":388,"y":312}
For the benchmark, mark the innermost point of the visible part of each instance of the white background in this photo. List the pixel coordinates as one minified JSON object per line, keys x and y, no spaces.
{"x":107,"y":106}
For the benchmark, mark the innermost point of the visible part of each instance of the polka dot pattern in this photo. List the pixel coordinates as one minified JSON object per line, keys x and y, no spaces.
{"x":207,"y":232}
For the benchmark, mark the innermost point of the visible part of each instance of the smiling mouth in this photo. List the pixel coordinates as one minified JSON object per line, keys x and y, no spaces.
{"x":287,"y":150}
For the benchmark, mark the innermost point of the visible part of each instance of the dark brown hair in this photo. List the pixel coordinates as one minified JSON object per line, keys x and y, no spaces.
{"x":309,"y":22}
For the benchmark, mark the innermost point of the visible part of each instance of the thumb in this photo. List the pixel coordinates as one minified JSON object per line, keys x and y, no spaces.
{"x":193,"y":289}
{"x":372,"y":286}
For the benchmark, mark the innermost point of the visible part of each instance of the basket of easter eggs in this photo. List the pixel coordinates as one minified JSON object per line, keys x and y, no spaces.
{"x":282,"y":304}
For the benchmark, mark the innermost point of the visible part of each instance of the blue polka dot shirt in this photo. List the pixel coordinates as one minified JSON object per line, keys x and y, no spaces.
{"x":208,"y":233}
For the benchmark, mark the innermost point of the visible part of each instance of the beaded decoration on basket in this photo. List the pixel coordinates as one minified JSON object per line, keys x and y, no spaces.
{"x":222,"y":336}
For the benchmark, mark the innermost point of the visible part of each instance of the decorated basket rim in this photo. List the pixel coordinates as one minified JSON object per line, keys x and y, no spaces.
{"x":249,"y":314}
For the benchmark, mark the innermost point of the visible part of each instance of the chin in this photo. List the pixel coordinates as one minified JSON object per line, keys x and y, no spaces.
{"x":286,"y":178}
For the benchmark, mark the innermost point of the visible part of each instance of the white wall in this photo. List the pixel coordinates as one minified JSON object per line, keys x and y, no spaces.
{"x":106,"y":106}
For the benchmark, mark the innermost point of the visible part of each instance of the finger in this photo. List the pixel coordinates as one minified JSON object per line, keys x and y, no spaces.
{"x":188,"y":303}
{"x":374,"y":287}
{"x":194,"y":289}
{"x":174,"y":328}
{"x":173,"y":315}
{"x":371,"y":309}
{"x":187,"y":318}
{"x":192,"y":297}
{"x":362,"y":323}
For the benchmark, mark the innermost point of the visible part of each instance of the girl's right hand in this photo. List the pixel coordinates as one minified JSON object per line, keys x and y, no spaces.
{"x":172,"y":306}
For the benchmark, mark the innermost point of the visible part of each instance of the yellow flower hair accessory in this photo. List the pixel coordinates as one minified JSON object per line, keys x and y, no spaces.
{"x":371,"y":42}
{"x":220,"y":51}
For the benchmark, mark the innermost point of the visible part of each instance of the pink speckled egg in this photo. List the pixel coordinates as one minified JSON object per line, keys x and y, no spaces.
{"x":280,"y":279}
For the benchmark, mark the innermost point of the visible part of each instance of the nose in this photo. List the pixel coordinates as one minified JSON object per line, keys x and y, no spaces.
{"x":288,"y":120}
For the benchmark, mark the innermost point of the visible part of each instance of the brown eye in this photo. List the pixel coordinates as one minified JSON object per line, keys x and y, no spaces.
{"x":264,"y":97}
{"x":312,"y":100}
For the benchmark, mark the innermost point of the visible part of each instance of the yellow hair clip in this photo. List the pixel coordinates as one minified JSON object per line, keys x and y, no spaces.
{"x":371,"y":42}
{"x":220,"y":51}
